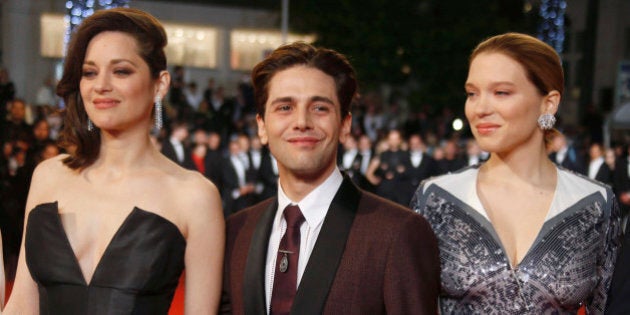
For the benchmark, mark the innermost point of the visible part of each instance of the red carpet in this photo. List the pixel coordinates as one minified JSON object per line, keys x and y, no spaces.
{"x":177,"y":307}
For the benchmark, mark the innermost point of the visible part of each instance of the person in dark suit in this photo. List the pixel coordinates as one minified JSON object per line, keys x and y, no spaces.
{"x":365,"y":156}
{"x":174,"y":147}
{"x":621,"y":182}
{"x":220,"y":111}
{"x":474,"y":154}
{"x":345,"y":251}
{"x":349,"y":160}
{"x":620,"y":286}
{"x":566,"y":155}
{"x":452,"y":160}
{"x":267,"y":175}
{"x":238,"y":187}
{"x":214,"y":159}
{"x":420,"y":166}
{"x":388,"y":172}
{"x":597,"y":167}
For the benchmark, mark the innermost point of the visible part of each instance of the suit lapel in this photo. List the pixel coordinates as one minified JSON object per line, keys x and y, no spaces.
{"x":322,"y":266}
{"x":254,"y":279}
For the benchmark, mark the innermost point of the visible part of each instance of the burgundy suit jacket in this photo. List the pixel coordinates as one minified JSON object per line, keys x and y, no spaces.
{"x":371,"y":257}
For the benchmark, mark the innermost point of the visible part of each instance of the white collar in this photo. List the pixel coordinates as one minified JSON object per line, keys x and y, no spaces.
{"x":315,"y":205}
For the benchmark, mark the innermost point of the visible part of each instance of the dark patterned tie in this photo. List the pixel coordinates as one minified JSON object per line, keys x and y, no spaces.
{"x":285,"y":275}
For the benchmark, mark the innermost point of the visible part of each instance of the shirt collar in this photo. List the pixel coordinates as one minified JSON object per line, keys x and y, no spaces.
{"x":315,"y":205}
{"x":175,"y":141}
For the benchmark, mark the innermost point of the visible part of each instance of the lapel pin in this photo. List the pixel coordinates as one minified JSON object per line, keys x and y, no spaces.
{"x":284,"y":261}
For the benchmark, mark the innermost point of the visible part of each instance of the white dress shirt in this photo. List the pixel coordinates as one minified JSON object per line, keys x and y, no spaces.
{"x":593,"y":167}
{"x":179,"y":149}
{"x":348,"y":158}
{"x":244,"y":159}
{"x":416,"y":158}
{"x":256,"y":158}
{"x":365,"y":160}
{"x":314,"y":208}
{"x":239,"y":168}
{"x":473,"y":160}
{"x":561,"y":154}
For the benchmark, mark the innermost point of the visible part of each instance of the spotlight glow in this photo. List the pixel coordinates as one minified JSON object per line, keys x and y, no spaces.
{"x":458,"y":124}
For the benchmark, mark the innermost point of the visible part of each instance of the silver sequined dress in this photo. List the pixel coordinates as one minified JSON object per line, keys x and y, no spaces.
{"x":570,"y":263}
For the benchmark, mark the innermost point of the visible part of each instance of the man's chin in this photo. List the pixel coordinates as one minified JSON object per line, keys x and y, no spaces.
{"x":308,"y":172}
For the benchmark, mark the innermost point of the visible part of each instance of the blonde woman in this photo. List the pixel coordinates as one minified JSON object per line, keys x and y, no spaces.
{"x":518,"y":234}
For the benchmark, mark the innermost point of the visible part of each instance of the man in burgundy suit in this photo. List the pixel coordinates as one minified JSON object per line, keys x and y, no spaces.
{"x":322,"y":245}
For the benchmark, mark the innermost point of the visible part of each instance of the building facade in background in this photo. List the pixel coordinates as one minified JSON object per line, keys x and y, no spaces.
{"x":223,"y":43}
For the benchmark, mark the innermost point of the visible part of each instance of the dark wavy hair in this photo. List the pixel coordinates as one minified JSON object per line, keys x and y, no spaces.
{"x":84,"y":145}
{"x":328,"y":61}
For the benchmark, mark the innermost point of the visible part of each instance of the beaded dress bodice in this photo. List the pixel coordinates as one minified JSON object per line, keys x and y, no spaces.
{"x":570,"y":263}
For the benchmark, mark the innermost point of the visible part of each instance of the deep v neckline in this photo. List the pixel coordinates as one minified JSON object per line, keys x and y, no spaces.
{"x":77,"y":265}
{"x":482,"y":210}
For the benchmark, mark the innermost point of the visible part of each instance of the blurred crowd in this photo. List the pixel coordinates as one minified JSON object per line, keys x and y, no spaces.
{"x":390,"y":151}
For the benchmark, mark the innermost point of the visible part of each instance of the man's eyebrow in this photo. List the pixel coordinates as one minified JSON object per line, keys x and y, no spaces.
{"x":282,"y":100}
{"x":322,"y":99}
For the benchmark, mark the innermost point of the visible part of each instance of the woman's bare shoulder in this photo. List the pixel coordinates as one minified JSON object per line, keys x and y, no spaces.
{"x":197,"y":201}
{"x":191,"y":186}
{"x":52,"y":170}
{"x":48,"y":178}
{"x":198,"y":187}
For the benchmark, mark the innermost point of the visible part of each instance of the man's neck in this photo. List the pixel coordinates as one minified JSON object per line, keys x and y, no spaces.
{"x":296,"y":187}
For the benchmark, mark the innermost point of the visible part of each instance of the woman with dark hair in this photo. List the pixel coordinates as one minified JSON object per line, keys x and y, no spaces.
{"x":111,"y":225}
{"x":517,"y":234}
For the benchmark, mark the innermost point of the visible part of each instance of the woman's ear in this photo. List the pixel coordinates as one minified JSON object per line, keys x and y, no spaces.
{"x":163,"y":83}
{"x":551,"y":102}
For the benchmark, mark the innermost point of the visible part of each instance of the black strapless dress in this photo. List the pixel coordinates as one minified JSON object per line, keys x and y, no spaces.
{"x":138,"y":273}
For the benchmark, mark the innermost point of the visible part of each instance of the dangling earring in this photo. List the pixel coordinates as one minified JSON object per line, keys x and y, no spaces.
{"x":546,"y":121}
{"x":90,"y":125}
{"x":158,"y":113}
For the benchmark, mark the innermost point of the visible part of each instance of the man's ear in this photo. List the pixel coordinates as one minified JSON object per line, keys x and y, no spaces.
{"x":262,"y":132}
{"x":346,"y":128}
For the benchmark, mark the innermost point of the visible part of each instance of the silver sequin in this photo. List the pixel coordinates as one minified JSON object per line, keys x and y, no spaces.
{"x":570,"y":264}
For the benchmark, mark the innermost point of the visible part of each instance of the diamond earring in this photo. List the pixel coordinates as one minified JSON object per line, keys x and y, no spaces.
{"x":546,"y":121}
{"x":158,"y":113}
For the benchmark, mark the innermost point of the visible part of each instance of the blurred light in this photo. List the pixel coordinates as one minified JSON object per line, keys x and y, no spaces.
{"x":406,"y":69}
{"x":77,"y":10}
{"x":458,"y":124}
{"x":551,"y":28}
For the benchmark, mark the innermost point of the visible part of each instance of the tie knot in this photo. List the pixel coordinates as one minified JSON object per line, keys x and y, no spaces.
{"x":293,"y":216}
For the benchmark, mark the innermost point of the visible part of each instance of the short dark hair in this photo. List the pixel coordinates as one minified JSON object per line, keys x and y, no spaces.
{"x":328,"y":61}
{"x":150,"y":37}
